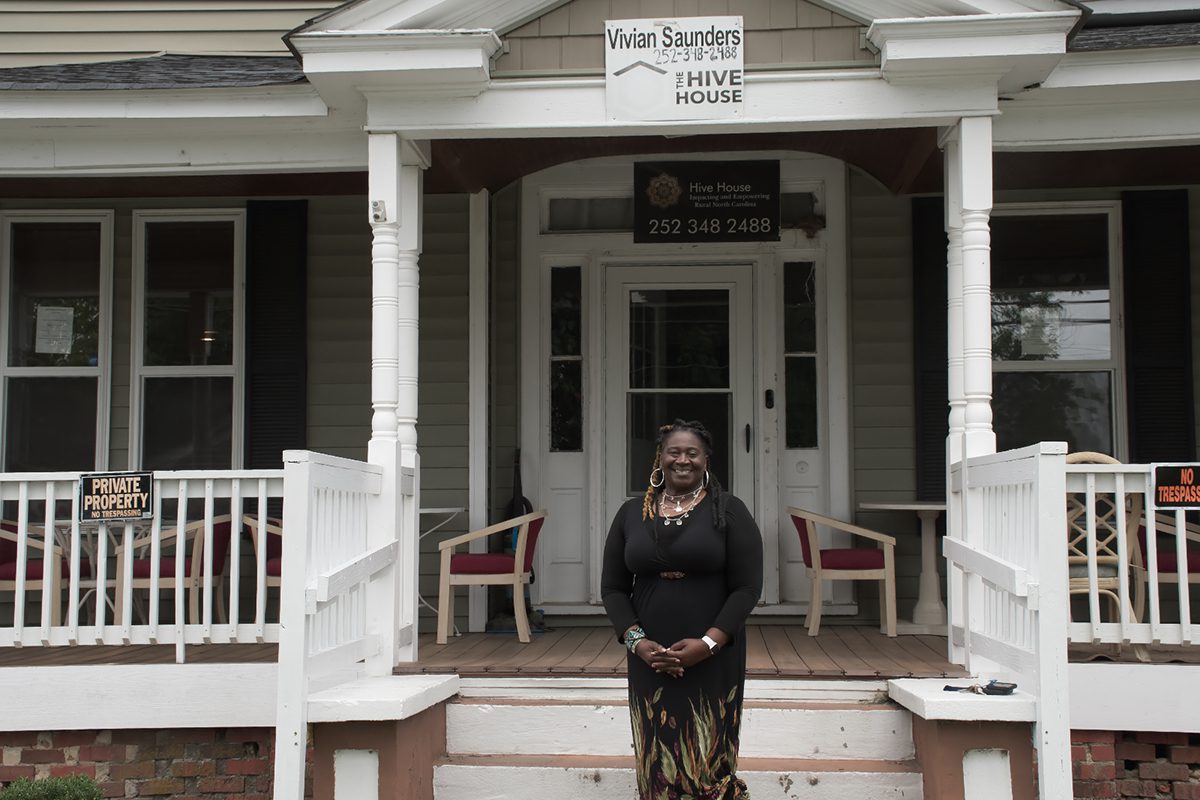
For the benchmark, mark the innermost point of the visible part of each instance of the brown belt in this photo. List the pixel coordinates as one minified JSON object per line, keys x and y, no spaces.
{"x":672,"y":575}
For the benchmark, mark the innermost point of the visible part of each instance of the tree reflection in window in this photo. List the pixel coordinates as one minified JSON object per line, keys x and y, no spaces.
{"x":1052,"y":302}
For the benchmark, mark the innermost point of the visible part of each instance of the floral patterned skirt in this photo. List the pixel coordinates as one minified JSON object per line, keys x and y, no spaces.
{"x":685,"y":730}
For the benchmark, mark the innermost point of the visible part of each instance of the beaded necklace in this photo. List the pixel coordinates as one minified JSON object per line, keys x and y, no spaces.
{"x":678,"y":499}
{"x":682,"y":513}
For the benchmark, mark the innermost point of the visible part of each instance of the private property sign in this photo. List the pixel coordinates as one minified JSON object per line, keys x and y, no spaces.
{"x":115,"y":496}
{"x":662,"y":69}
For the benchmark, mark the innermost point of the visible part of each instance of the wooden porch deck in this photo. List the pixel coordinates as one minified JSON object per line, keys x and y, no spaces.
{"x":774,"y":651}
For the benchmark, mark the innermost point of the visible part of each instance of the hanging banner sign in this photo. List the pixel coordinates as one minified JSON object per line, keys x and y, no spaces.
{"x":687,"y":68}
{"x":706,"y":201}
{"x":116,"y":496}
{"x":1176,"y":486}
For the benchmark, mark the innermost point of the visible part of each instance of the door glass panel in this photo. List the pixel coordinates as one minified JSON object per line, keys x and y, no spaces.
{"x":649,"y":410}
{"x":55,"y":300}
{"x":679,"y":367}
{"x":800,"y":353}
{"x":801,"y":383}
{"x":678,"y":338}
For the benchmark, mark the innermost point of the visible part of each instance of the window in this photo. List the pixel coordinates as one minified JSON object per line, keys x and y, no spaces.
{"x":57,"y":290}
{"x":800,"y":353}
{"x":566,"y":359}
{"x":186,"y":410}
{"x":1054,"y":345}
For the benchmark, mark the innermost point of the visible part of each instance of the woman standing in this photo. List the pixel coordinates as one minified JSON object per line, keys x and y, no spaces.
{"x":682,"y":571}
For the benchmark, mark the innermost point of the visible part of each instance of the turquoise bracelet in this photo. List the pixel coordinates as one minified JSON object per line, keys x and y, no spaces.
{"x":633,"y":636}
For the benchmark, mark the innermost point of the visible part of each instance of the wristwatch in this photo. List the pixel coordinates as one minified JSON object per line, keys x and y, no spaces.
{"x":713,"y":647}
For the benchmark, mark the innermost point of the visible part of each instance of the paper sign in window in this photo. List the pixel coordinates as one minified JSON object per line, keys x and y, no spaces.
{"x":1039,"y":330}
{"x":55,"y":329}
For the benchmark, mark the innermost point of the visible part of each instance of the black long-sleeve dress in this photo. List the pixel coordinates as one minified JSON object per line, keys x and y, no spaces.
{"x":685,"y":730}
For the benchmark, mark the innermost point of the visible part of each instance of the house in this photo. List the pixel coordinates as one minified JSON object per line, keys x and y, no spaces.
{"x":409,"y":245}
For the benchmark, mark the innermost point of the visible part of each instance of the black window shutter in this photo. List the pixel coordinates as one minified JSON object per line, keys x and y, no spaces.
{"x":1158,"y":332}
{"x":276,"y":330}
{"x":929,"y":357}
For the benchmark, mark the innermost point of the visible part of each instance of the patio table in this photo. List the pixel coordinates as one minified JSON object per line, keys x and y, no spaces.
{"x":929,"y":614}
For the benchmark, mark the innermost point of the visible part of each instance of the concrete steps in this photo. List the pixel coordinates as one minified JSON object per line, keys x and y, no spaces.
{"x":572,"y":740}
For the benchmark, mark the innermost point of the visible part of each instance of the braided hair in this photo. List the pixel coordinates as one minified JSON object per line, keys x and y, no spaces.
{"x":720,"y":498}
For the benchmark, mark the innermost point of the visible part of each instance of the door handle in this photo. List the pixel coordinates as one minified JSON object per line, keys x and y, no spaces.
{"x":747,"y":437}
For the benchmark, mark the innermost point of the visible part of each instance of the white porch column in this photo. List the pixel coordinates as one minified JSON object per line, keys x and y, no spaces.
{"x":975,"y":182}
{"x":968,"y":198}
{"x":394,"y":197}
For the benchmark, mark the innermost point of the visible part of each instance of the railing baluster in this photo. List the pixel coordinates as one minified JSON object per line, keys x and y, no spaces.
{"x":22,"y":558}
{"x":51,"y":568}
{"x":1181,"y":576}
{"x":156,"y":562}
{"x":102,"y":580}
{"x":260,"y":564}
{"x":1093,"y":592}
{"x":73,"y":593}
{"x":234,"y":557}
{"x":1152,"y":573}
{"x":126,"y":621}
{"x":206,"y":574}
{"x":180,"y":551}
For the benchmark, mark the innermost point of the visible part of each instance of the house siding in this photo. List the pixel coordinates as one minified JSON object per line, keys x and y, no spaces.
{"x":778,"y":33}
{"x":339,"y":383}
{"x":339,"y":327}
{"x":504,"y":353}
{"x":76,"y":31}
{"x":882,"y":378}
{"x":443,"y":396}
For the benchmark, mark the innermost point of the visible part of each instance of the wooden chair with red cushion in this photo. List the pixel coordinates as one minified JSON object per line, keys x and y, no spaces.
{"x":193,"y":565}
{"x":846,"y":564}
{"x":489,"y":569}
{"x":1167,"y":560}
{"x":34,"y":567}
{"x":274,"y":544}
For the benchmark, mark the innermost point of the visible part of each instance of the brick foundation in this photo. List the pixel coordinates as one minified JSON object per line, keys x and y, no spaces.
{"x":1114,"y":764}
{"x":217,"y":763}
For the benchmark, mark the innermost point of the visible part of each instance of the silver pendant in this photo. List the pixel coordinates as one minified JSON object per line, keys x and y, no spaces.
{"x":678,"y":508}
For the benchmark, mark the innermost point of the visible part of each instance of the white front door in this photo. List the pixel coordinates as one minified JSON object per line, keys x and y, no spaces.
{"x":679,"y":343}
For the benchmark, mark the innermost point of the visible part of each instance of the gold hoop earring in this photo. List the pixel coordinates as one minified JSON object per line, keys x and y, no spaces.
{"x":662,"y":477}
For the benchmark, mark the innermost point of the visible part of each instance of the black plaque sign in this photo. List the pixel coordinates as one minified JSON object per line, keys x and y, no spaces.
{"x":1175,"y":486}
{"x":706,"y":201}
{"x":115,"y":496}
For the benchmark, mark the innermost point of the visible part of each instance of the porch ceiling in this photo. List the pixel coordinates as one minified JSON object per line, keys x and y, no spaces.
{"x":896,"y":158}
{"x":905,"y":160}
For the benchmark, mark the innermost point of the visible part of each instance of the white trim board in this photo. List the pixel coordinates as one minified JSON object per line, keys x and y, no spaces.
{"x":1134,"y":697}
{"x":107,"y":696}
{"x":775,"y":102}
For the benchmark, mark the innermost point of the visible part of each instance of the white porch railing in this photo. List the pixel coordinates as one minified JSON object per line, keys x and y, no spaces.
{"x":118,"y":577}
{"x":1006,"y":552}
{"x":1027,"y":532}
{"x":339,"y":612}
{"x":1142,"y":587}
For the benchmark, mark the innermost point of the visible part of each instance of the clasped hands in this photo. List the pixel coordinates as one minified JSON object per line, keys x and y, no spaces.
{"x":674,"y":659}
